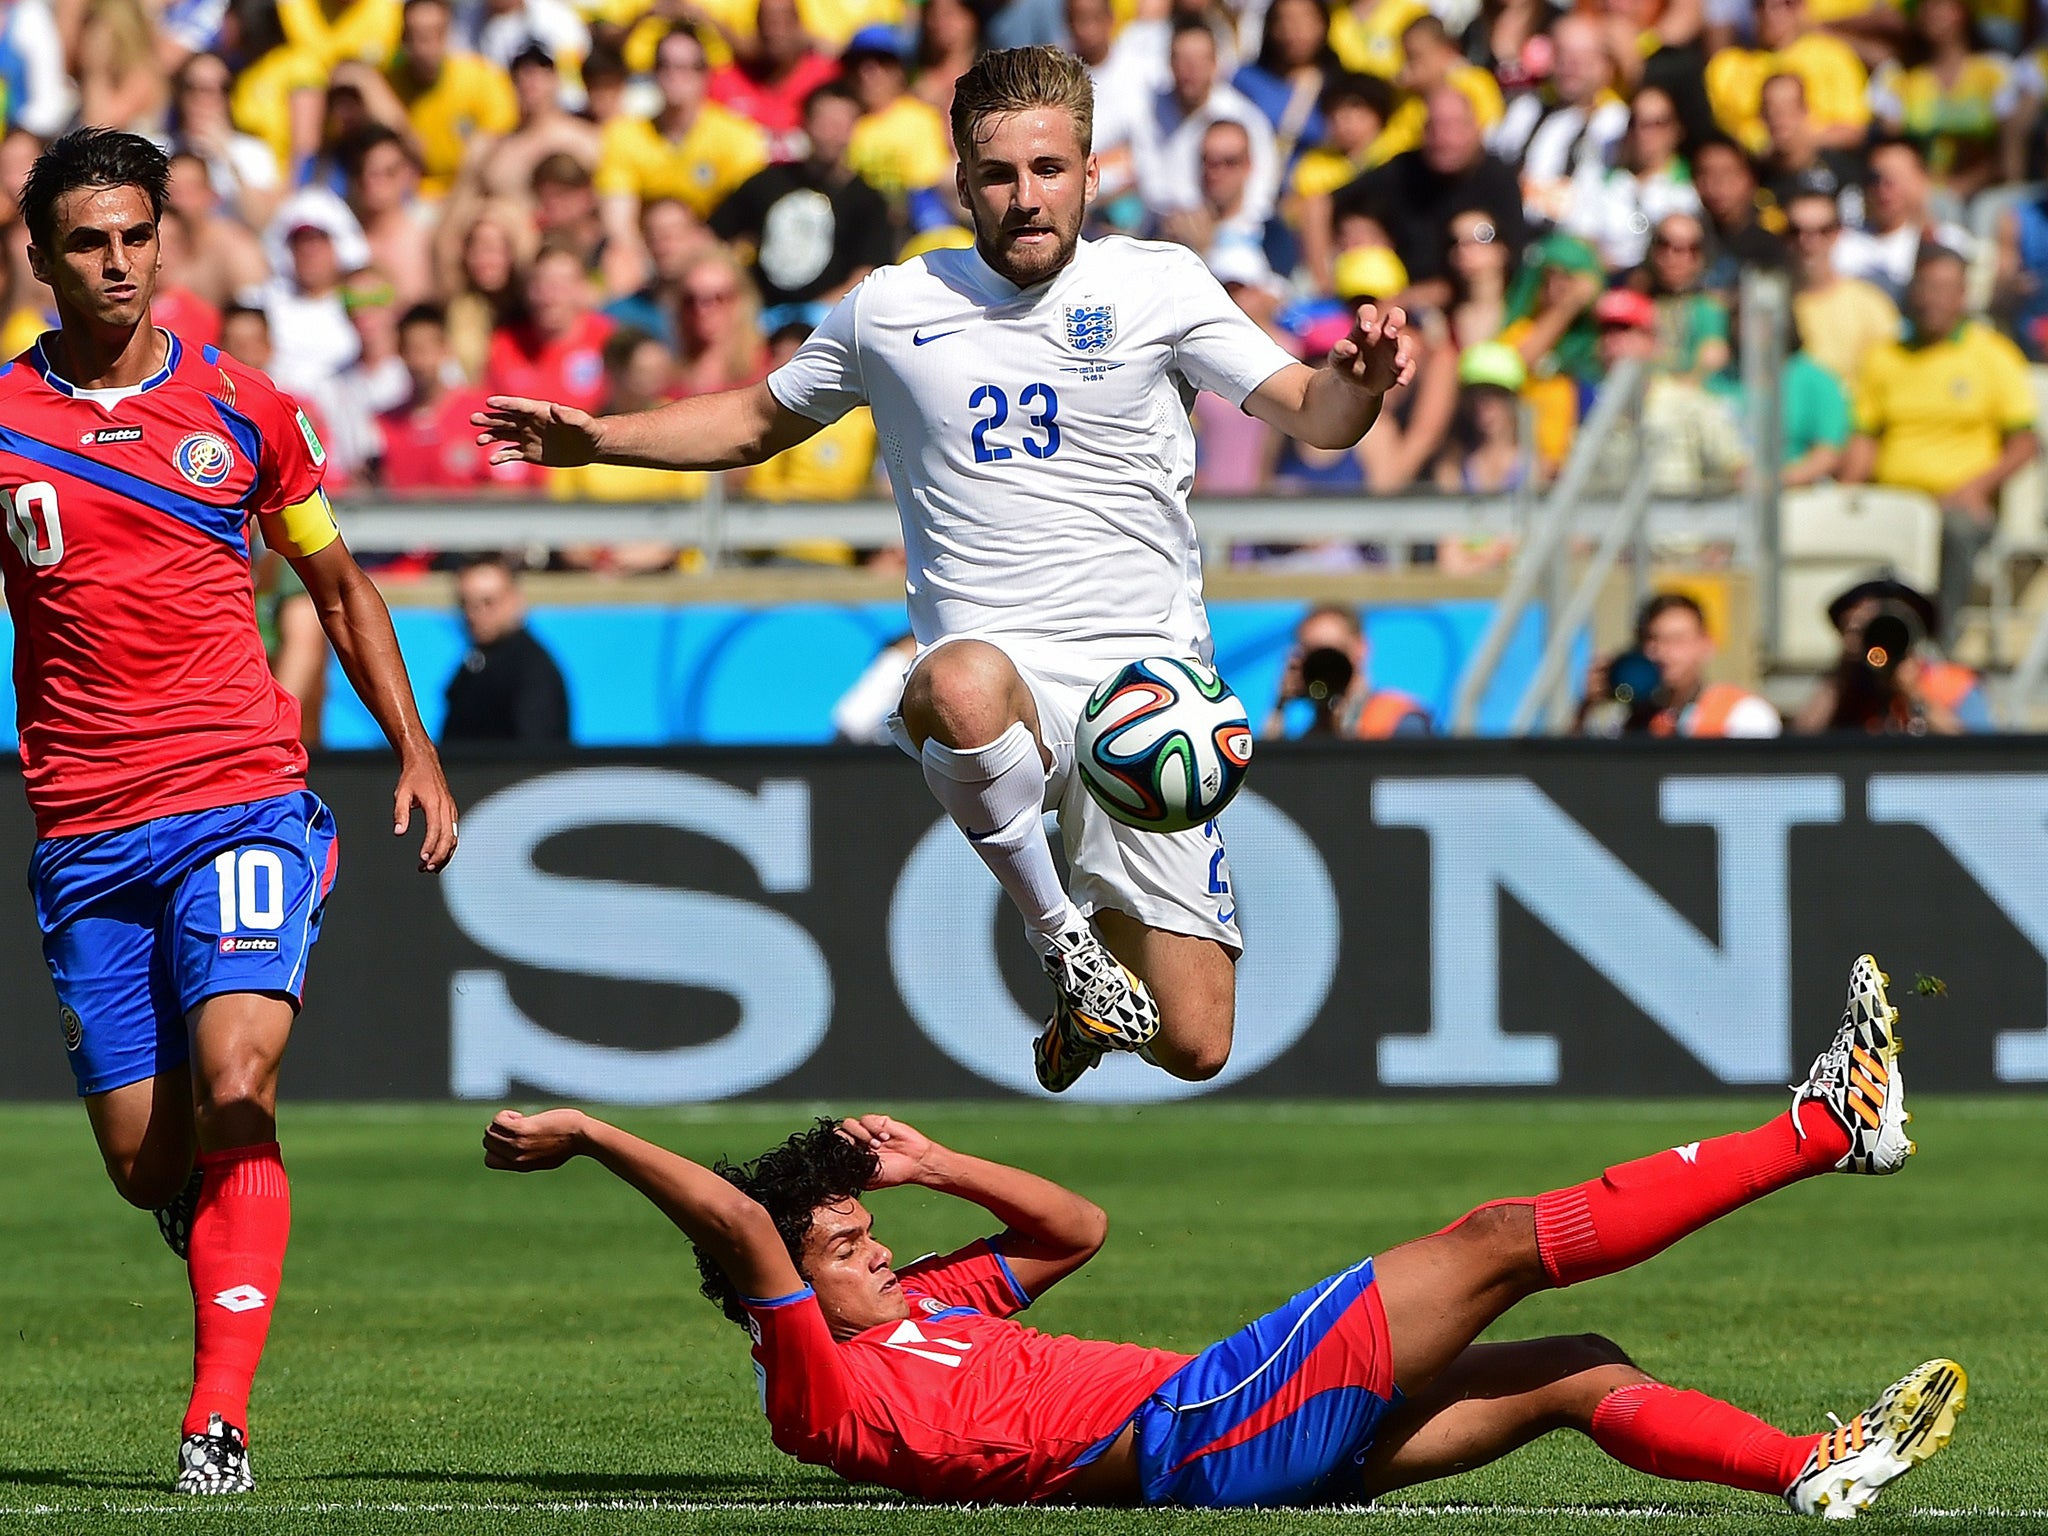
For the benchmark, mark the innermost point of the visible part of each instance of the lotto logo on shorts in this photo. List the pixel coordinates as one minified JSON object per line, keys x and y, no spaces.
{"x":203,"y":458}
{"x":74,"y":1031}
{"x":232,"y":944}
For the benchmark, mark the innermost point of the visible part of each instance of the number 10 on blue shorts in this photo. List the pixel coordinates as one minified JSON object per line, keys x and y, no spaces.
{"x":144,"y":923}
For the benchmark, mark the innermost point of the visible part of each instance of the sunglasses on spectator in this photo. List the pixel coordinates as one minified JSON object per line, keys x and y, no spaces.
{"x":1680,"y":247}
{"x":713,"y":299}
{"x":1817,"y":231}
{"x":1224,"y":162}
{"x":1656,"y":122}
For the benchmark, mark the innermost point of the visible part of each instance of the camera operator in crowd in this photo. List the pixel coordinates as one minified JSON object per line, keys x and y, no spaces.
{"x":1326,"y":671}
{"x":1660,"y":688}
{"x":1890,"y":680}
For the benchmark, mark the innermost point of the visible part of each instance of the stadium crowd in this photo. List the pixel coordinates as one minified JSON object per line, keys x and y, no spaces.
{"x":625,"y":201}
{"x":399,"y":206}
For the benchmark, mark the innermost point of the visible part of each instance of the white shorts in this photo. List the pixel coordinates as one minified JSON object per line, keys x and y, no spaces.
{"x":1175,"y":881}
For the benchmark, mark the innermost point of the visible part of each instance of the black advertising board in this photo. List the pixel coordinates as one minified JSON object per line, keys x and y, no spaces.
{"x":1579,"y":917}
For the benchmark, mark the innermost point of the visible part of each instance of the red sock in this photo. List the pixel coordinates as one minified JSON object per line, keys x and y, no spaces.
{"x":1691,"y":1437}
{"x":1639,"y":1209}
{"x":238,"y":1239}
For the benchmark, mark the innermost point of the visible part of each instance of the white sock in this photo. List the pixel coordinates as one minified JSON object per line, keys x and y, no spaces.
{"x":996,"y":795}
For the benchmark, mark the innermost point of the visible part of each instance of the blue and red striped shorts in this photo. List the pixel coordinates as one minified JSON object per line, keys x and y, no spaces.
{"x":1282,"y":1411}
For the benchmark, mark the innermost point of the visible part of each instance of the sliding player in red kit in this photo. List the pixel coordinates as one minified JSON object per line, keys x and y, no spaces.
{"x":181,"y":864}
{"x":921,"y":1379}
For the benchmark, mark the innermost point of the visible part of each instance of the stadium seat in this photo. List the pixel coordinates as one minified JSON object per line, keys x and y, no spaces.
{"x":1832,"y":536}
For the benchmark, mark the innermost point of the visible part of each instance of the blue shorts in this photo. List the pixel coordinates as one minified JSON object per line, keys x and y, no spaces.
{"x":144,"y":923}
{"x":1281,"y":1412}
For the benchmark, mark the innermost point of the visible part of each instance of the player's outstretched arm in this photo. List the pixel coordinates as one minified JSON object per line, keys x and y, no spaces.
{"x":733,"y":1229}
{"x":1335,"y":405}
{"x":352,"y":612}
{"x":728,"y":430}
{"x":1051,"y":1231}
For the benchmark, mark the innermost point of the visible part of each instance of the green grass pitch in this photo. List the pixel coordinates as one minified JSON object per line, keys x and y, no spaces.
{"x":459,"y":1351}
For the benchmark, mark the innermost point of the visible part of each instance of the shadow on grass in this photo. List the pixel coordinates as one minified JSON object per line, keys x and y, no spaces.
{"x":606,"y":1485}
{"x":71,"y":1477}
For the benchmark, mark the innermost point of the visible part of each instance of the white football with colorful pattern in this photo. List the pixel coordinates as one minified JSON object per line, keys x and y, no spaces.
{"x":1163,"y":744}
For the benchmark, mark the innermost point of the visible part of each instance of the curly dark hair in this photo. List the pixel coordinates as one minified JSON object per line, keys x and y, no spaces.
{"x":91,"y":157}
{"x":815,"y":1167}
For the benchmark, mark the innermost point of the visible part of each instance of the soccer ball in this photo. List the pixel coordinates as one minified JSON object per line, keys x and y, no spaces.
{"x":1163,"y":745}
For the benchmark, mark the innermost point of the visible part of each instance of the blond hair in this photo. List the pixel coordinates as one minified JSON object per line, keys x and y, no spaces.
{"x":1017,"y":80}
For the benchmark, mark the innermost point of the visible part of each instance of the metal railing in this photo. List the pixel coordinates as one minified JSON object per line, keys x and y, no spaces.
{"x":1543,"y":557}
{"x":721,"y":526}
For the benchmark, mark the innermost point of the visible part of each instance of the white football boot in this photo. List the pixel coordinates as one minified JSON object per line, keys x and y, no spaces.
{"x":1912,"y":1420}
{"x":215,"y":1460}
{"x":1103,"y":1006}
{"x":1857,"y":1077}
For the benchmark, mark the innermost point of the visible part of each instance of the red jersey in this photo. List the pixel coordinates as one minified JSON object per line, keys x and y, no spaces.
{"x":958,"y":1403}
{"x":142,"y":688}
{"x":777,"y":108}
{"x":435,"y":449}
{"x":568,"y":369}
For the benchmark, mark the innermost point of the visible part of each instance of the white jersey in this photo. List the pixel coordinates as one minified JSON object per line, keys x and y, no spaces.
{"x":1038,"y":440}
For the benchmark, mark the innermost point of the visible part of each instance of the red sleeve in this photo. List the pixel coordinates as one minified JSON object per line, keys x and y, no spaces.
{"x":975,"y":1276}
{"x":294,"y":460}
{"x":805,"y":1390}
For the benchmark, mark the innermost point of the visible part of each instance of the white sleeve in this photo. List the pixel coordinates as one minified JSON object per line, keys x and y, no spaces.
{"x":823,"y":381}
{"x":1753,"y":718}
{"x":1216,"y":345}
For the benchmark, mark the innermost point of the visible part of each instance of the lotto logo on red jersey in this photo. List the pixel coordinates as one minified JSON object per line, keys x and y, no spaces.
{"x":203,"y":458}
{"x":110,"y":435}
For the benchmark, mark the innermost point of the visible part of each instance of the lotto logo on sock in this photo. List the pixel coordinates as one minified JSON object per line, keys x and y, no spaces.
{"x":242,"y":1298}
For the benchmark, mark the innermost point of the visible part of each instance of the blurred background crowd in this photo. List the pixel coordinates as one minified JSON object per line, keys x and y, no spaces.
{"x":393,"y":205}
{"x":398,"y":206}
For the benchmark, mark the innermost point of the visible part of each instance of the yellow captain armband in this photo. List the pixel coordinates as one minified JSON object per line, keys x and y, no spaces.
{"x":303,"y":528}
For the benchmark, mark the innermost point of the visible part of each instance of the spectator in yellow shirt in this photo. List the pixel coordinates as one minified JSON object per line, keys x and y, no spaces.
{"x":1842,"y":318}
{"x":694,"y":151}
{"x":1355,"y":110}
{"x":1954,"y":104}
{"x":1366,"y":34}
{"x":1431,"y":60}
{"x":450,"y":98}
{"x":364,"y":30}
{"x":1790,"y":45}
{"x":1949,"y":410}
{"x":901,"y":143}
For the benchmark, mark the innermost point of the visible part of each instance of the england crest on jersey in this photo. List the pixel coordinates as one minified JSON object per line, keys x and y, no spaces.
{"x":1090,"y":327}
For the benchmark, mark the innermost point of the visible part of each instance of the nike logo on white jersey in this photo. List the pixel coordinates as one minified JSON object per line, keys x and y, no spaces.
{"x":1690,"y":1152}
{"x":919,"y":339}
{"x":908,"y":1337}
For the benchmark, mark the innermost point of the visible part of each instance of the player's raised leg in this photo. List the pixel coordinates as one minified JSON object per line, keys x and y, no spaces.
{"x":1497,"y":1397}
{"x":972,"y":717}
{"x":1194,"y":981}
{"x":1442,"y":1291}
